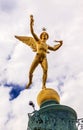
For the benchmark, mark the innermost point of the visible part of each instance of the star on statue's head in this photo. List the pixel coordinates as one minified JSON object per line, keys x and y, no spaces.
{"x":44,"y":29}
{"x":44,"y":33}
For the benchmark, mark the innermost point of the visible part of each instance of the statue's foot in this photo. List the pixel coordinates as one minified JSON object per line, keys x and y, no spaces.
{"x":28,"y":85}
{"x":43,"y":87}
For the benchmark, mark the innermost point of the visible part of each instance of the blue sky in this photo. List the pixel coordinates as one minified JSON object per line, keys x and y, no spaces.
{"x":63,"y":20}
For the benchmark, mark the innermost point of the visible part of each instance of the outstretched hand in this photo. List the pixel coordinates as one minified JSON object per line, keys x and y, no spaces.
{"x":61,"y":42}
{"x":56,"y":47}
{"x":31,"y":20}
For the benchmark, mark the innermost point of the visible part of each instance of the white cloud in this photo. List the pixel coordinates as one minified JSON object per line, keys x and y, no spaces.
{"x":5,"y":106}
{"x":73,"y":94}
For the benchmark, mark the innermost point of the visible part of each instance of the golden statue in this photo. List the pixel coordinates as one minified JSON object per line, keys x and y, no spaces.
{"x":39,"y":46}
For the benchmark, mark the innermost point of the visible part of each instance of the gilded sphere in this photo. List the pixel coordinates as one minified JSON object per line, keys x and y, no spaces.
{"x":47,"y":94}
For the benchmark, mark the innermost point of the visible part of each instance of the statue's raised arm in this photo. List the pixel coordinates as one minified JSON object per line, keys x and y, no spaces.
{"x":31,"y":28}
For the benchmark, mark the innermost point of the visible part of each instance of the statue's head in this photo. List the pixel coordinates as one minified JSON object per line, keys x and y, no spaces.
{"x":44,"y":35}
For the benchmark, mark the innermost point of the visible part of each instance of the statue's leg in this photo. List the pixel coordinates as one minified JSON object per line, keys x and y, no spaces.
{"x":44,"y":65}
{"x":32,"y":68}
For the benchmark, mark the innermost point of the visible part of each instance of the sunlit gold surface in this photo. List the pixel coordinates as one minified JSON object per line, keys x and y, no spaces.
{"x":39,"y":45}
{"x":47,"y":94}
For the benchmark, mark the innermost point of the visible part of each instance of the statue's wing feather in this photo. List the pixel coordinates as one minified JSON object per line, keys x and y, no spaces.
{"x":28,"y":41}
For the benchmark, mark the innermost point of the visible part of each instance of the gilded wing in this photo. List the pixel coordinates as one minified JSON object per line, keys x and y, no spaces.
{"x":28,"y":41}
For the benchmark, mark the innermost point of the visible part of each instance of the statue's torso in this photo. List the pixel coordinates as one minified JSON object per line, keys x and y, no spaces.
{"x":42,"y":48}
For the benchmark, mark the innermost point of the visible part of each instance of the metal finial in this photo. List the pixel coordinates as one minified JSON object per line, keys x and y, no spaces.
{"x":32,"y":104}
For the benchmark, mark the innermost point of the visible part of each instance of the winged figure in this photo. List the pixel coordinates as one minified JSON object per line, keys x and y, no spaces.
{"x":39,"y":45}
{"x":28,"y":41}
